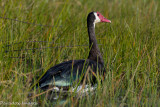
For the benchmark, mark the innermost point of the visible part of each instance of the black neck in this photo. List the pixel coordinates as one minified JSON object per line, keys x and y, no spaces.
{"x":94,"y":53}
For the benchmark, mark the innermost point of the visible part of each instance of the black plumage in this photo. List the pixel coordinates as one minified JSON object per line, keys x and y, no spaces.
{"x":64,"y":74}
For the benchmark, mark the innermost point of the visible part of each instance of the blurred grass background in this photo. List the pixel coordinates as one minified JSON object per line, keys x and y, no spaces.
{"x":130,"y":46}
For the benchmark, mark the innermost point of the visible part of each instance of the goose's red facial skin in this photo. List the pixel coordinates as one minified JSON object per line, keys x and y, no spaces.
{"x":102,"y":18}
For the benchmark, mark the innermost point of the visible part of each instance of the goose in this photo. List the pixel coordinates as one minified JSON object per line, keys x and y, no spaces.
{"x":63,"y":75}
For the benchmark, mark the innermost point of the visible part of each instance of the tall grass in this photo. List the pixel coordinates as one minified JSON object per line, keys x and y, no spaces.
{"x":130,"y":46}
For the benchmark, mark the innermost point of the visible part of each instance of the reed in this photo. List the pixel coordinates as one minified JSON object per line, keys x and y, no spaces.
{"x":130,"y":46}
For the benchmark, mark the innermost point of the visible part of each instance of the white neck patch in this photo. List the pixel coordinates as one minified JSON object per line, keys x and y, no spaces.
{"x":97,"y":19}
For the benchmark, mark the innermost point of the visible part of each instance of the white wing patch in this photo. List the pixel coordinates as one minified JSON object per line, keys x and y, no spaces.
{"x":84,"y":89}
{"x":80,"y":88}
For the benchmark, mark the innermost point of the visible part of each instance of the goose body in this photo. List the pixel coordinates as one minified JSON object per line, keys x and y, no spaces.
{"x":66,"y":73}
